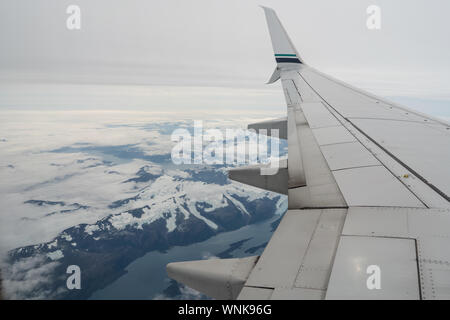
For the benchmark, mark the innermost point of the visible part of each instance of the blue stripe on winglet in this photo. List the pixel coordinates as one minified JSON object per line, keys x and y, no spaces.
{"x":288,"y":60}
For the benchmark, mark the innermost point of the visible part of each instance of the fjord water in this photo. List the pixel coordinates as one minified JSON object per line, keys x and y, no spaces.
{"x":146,"y":277}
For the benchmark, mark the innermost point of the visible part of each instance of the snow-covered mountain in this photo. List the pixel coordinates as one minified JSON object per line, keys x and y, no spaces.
{"x":170,"y":207}
{"x":99,"y":190}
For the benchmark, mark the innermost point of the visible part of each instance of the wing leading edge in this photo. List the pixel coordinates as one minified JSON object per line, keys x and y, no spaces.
{"x":368,"y":190}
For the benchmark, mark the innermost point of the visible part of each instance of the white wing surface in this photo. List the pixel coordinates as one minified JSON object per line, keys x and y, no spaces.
{"x":368,"y":183}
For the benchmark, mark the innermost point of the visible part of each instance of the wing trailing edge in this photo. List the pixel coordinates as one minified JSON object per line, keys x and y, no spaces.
{"x":252,"y":176}
{"x":274,"y":124}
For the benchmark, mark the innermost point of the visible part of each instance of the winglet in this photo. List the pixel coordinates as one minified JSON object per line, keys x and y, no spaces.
{"x":285,"y":53}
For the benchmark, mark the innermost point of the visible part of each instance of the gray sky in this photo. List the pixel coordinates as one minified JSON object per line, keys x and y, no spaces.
{"x":225,"y":43}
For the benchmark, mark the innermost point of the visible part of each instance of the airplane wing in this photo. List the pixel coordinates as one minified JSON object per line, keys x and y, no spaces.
{"x":368,"y":185}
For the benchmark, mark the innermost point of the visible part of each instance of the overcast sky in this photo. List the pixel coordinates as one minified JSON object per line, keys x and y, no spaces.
{"x":225,"y":43}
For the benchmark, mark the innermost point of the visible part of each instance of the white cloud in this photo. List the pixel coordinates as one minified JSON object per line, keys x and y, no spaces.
{"x":27,"y":278}
{"x":81,"y":180}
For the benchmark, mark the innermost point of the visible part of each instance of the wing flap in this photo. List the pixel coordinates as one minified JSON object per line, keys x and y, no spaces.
{"x":300,"y":254}
{"x":218,"y":278}
{"x":276,"y":124}
{"x":251,"y":175}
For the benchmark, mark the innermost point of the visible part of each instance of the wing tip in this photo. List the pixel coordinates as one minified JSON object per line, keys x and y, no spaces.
{"x":284,"y":50}
{"x":266,"y":8}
